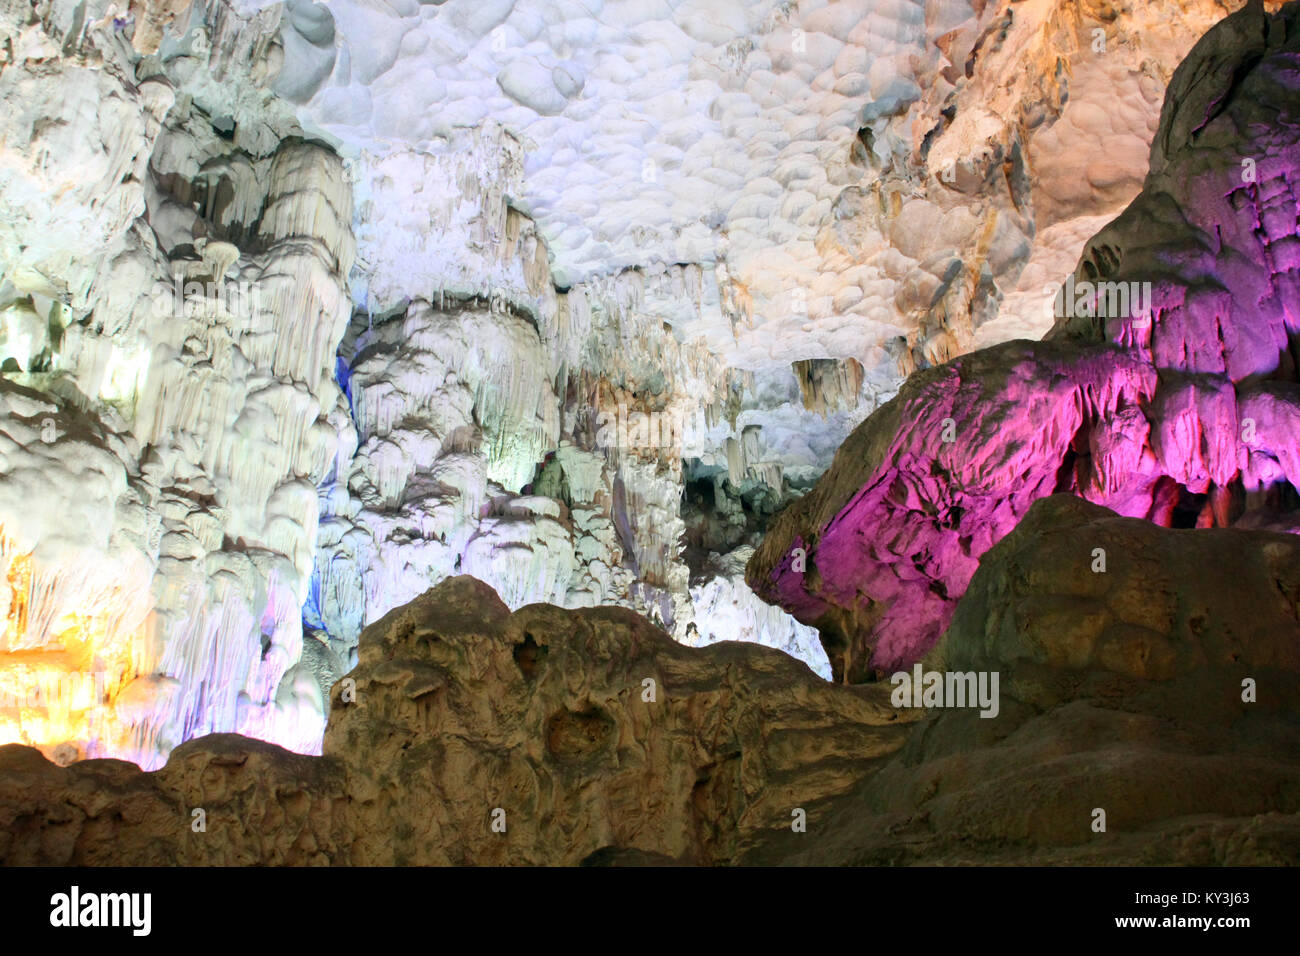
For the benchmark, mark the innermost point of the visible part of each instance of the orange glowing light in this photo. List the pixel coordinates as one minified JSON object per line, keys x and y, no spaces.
{"x":58,"y":690}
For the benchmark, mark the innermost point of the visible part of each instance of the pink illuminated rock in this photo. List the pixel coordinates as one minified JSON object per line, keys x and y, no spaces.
{"x":1166,"y":391}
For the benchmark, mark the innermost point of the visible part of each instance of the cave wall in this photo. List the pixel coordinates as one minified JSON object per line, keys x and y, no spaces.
{"x":305,"y":308}
{"x":1166,"y":390}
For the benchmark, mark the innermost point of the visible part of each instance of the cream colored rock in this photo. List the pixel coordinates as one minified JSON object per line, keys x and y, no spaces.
{"x":158,"y":495}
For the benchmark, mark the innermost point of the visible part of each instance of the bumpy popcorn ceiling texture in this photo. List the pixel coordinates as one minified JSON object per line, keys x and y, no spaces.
{"x":306,"y":308}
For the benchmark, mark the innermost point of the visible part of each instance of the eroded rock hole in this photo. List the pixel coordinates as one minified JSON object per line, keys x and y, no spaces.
{"x":528,"y":655}
{"x":577,"y":735}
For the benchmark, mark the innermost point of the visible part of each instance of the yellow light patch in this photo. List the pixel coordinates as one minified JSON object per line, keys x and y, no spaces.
{"x":60,"y":695}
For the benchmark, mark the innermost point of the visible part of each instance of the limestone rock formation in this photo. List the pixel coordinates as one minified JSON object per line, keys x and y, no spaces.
{"x":1168,"y":390}
{"x":1123,"y":690}
{"x":306,"y":306}
{"x":591,"y":731}
{"x":468,"y":734}
{"x":183,"y":483}
{"x":882,"y":182}
{"x":259,"y":805}
{"x":587,"y":736}
{"x":173,"y":286}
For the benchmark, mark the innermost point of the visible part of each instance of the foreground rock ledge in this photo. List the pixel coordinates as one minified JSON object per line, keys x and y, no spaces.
{"x":1120,"y":690}
{"x":599,"y":737}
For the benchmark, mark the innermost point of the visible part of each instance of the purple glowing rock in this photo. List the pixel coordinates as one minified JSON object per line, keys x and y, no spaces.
{"x":1183,"y":409}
